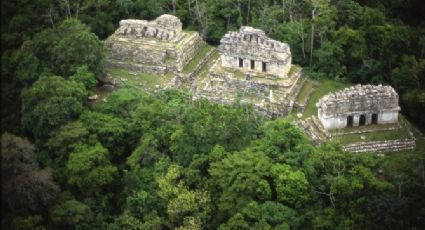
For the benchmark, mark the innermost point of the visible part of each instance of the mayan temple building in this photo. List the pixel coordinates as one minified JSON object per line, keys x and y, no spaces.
{"x":253,"y":69}
{"x":159,"y":46}
{"x":358,"y":106}
{"x":252,"y":51}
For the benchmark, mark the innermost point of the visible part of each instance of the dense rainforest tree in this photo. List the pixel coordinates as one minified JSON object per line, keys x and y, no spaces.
{"x":162,"y":161}
{"x":27,"y":190}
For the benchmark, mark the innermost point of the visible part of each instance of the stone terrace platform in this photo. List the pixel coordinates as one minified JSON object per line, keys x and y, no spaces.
{"x":159,"y":46}
{"x":372,"y":138}
{"x":270,"y":95}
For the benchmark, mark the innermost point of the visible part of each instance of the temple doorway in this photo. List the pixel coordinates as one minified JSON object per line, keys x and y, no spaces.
{"x":240,"y":62}
{"x":264,"y":67}
{"x":252,"y":64}
{"x":374,"y":119}
{"x":362,"y":120}
{"x":350,"y":121}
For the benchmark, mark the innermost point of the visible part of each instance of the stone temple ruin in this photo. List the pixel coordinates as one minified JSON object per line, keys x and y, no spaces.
{"x":159,"y":46}
{"x":255,"y":69}
{"x":359,"y":105}
{"x":362,"y":118}
{"x":251,"y":68}
{"x":251,"y":50}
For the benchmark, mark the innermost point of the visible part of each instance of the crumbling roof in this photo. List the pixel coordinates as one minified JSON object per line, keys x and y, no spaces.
{"x":359,"y":91}
{"x":254,"y":42}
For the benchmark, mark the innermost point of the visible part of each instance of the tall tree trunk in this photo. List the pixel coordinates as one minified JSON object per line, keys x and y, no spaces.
{"x":301,"y":33}
{"x":51,"y":16}
{"x":240,"y":14}
{"x":77,"y":10}
{"x":173,"y":2}
{"x":313,"y":16}
{"x":248,"y":11}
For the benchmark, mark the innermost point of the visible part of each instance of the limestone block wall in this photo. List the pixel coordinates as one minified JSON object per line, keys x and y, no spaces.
{"x":359,"y":105}
{"x":340,"y":121}
{"x":165,"y":27}
{"x":134,"y":53}
{"x":381,"y":146}
{"x":337,"y":122}
{"x":388,"y":117}
{"x":188,"y":50}
{"x":252,"y":45}
{"x":138,"y":67}
{"x":274,"y":68}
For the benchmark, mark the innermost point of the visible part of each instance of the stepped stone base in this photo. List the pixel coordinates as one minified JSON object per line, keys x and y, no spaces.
{"x":151,"y":55}
{"x":301,"y":104}
{"x":270,"y":95}
{"x":381,"y":146}
{"x":318,"y":134}
{"x":184,"y":79}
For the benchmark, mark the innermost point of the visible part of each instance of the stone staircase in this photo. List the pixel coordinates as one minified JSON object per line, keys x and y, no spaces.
{"x":296,"y":88}
{"x":381,"y":146}
{"x":301,"y":103}
{"x":188,"y":78}
{"x":314,"y":129}
{"x":202,"y":63}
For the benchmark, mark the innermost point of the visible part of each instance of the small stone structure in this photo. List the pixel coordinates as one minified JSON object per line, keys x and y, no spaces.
{"x":359,"y":105}
{"x":253,"y":69}
{"x":165,"y":27}
{"x":250,"y":49}
{"x":159,"y":46}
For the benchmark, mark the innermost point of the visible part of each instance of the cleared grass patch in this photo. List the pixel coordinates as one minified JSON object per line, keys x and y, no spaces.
{"x":365,"y":128}
{"x":324,"y":86}
{"x":402,"y":133}
{"x":145,"y":80}
{"x":406,"y":158}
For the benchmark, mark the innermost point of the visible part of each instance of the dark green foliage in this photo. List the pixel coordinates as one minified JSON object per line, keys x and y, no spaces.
{"x":122,"y":102}
{"x":84,"y":76}
{"x":110,"y":130}
{"x":26,"y":188}
{"x":163,"y":161}
{"x":49,"y":103}
{"x":77,"y":47}
{"x":69,"y":212}
{"x":89,"y":169}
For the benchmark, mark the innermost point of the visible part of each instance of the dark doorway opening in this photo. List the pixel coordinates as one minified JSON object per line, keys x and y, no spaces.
{"x":240,"y":62}
{"x":350,"y":121}
{"x":264,"y":67}
{"x":252,"y":64}
{"x":374,"y":119}
{"x":362,"y":120}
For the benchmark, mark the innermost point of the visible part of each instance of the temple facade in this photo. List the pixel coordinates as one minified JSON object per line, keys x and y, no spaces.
{"x":358,"y":106}
{"x":253,"y":69}
{"x":165,"y":27}
{"x":159,"y":46}
{"x":250,"y":49}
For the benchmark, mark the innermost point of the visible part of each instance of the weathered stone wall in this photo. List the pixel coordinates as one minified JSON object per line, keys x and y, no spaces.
{"x":265,"y":96}
{"x":381,"y":146}
{"x":161,"y":70}
{"x":188,"y":50}
{"x":132,"y":52}
{"x":338,"y":122}
{"x":251,"y":44}
{"x":132,"y":46}
{"x":165,"y":27}
{"x":334,"y":109}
